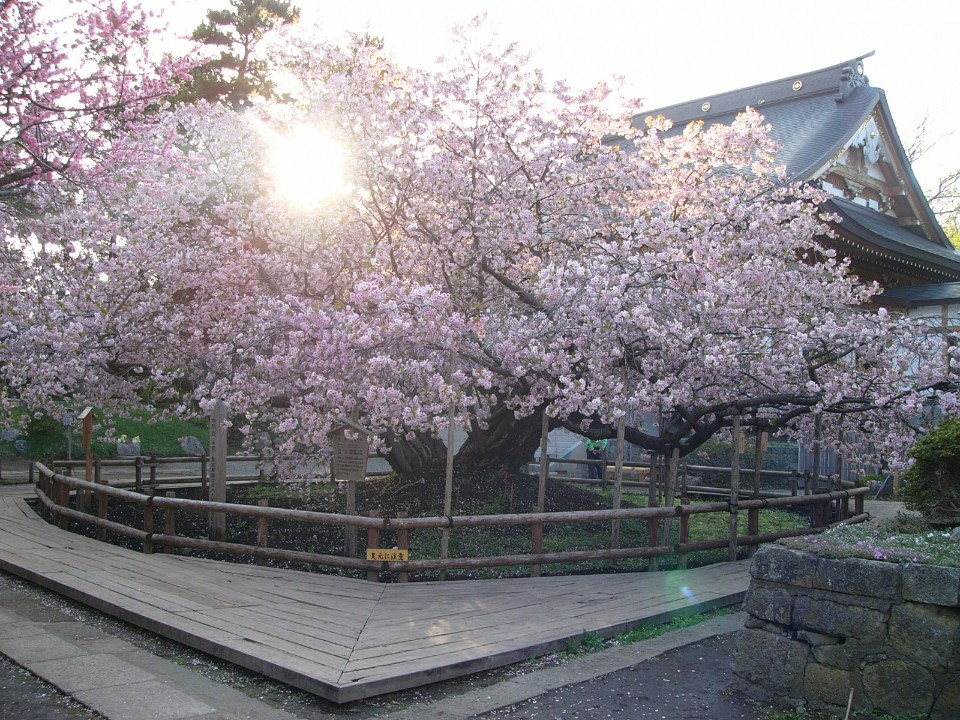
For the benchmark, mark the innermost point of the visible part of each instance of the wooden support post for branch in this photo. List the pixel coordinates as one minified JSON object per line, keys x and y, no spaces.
{"x":670,"y":492}
{"x":263,"y":529}
{"x":653,"y":500}
{"x":148,"y":522}
{"x":684,"y":534}
{"x":373,"y":541}
{"x":617,"y":478}
{"x":753,"y":516}
{"x":218,"y":456}
{"x":536,"y":530}
{"x":86,"y":418}
{"x":403,"y":543}
{"x":169,"y":522}
{"x":817,"y":451}
{"x":448,"y":484}
{"x":734,"y":489}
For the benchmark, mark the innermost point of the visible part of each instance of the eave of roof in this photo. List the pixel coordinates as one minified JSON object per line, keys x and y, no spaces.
{"x":885,"y":234}
{"x":920,"y":295}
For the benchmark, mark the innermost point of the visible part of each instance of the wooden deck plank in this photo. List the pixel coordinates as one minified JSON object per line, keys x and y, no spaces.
{"x":344,"y":638}
{"x":281,"y":620}
{"x":516,"y":629}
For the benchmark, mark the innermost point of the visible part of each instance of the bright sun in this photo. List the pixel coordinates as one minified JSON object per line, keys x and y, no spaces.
{"x":307,"y":166}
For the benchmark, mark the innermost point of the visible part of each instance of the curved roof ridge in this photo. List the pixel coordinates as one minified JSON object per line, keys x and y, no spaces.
{"x":830,"y":79}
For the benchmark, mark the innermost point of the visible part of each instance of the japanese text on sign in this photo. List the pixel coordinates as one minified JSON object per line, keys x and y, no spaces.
{"x":388,"y":555}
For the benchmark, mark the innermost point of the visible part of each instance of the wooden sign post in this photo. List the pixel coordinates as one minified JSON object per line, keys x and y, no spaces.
{"x":351,"y":448}
{"x":218,"y":474}
{"x":86,"y":418}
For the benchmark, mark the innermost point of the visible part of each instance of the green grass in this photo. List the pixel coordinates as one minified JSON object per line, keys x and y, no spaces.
{"x":47,"y":438}
{"x":646,"y":632}
{"x":570,"y":537}
{"x":590,"y":642}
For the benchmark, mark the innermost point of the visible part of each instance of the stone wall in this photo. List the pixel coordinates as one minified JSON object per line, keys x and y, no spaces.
{"x":818,"y":627}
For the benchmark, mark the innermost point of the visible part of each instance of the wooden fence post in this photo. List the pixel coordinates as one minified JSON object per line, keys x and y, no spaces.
{"x":536,"y":530}
{"x":148,"y":522}
{"x":617,"y":476}
{"x":753,"y":515}
{"x":64,"y":522}
{"x":263,"y":525}
{"x":403,"y":543}
{"x":684,"y":535}
{"x":670,"y":493}
{"x":137,"y":472}
{"x":102,"y":499}
{"x":734,"y":488}
{"x":373,"y":541}
{"x":169,"y":523}
{"x":218,"y":484}
{"x":653,"y":500}
{"x":153,"y":470}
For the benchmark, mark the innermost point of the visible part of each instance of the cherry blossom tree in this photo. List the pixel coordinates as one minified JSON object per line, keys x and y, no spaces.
{"x":498,"y":251}
{"x":520,"y":263}
{"x":71,"y":89}
{"x":69,"y":86}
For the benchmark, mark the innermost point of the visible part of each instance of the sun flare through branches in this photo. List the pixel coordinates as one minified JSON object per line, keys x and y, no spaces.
{"x":307,"y":166}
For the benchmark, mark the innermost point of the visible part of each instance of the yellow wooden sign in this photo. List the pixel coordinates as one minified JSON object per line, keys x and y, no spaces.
{"x":386,"y":555}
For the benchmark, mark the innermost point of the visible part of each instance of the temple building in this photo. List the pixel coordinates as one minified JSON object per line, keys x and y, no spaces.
{"x":836,"y":130}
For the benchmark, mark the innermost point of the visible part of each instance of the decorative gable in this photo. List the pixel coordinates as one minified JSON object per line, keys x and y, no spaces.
{"x":864,"y":173}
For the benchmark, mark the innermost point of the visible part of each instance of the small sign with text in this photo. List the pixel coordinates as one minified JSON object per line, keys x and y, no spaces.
{"x":388,"y":555}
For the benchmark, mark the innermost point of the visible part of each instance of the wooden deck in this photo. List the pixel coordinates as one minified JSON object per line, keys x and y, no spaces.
{"x":340,"y":638}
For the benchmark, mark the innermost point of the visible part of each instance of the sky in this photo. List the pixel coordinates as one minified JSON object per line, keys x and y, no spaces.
{"x":677,"y":51}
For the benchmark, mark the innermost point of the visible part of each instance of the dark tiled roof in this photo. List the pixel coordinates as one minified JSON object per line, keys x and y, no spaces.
{"x":813,"y":116}
{"x":940,"y":294}
{"x":884,"y":232}
{"x":809,"y":121}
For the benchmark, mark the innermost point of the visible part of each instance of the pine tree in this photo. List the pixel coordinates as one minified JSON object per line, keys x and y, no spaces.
{"x":237,"y":75}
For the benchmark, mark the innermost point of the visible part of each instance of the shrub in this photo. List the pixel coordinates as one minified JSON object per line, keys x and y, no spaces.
{"x":933,"y":483}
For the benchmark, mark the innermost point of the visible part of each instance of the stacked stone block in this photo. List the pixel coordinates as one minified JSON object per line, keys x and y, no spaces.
{"x":818,"y":627}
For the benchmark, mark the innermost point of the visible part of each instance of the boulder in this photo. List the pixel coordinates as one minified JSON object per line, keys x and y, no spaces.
{"x":192,"y":446}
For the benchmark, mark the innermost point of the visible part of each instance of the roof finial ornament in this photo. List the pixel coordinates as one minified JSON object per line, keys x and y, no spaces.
{"x":851,"y":77}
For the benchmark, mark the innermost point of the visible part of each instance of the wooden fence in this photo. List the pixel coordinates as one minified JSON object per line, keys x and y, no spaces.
{"x":54,"y":491}
{"x":146,"y":469}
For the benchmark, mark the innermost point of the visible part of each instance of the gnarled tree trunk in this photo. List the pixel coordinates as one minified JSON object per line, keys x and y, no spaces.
{"x":504,"y":445}
{"x":423,"y":453}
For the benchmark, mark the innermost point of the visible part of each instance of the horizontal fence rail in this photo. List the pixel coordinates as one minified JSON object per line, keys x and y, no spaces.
{"x":54,"y":493}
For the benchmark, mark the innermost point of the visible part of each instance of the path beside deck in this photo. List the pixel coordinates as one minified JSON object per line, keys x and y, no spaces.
{"x":341,"y":638}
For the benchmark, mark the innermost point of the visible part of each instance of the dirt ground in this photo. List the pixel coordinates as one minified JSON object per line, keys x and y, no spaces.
{"x":689,"y":683}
